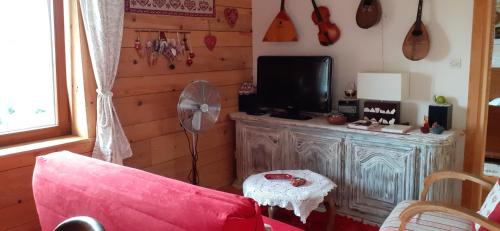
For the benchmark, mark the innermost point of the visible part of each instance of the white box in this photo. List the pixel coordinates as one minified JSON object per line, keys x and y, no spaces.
{"x":384,"y":86}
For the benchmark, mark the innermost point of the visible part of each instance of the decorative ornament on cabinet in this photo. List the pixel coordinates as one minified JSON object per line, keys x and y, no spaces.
{"x":369,"y":13}
{"x":328,"y":33}
{"x":231,"y":15}
{"x":282,"y":28}
{"x":417,"y":45}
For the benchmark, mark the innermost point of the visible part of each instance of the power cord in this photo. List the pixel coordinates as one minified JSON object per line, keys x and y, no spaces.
{"x":193,"y":175}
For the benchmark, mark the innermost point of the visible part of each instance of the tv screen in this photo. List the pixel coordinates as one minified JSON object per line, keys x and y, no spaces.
{"x":295,"y":83}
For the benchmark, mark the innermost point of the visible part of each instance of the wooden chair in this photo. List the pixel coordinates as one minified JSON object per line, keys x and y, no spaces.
{"x":407,"y":210}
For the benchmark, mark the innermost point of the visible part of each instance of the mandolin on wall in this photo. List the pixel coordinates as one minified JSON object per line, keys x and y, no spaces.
{"x":369,"y":13}
{"x":417,"y":45}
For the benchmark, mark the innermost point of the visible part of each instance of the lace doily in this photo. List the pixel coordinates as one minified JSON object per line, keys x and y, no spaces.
{"x":302,"y":200}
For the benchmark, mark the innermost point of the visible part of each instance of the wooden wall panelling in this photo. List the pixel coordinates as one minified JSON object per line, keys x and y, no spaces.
{"x":164,"y":105}
{"x":176,"y":82}
{"x":148,"y":130}
{"x":151,"y":21}
{"x":146,"y":96}
{"x":235,"y":3}
{"x":14,"y":216}
{"x":221,"y":58}
{"x":17,"y":208}
{"x":224,"y":38}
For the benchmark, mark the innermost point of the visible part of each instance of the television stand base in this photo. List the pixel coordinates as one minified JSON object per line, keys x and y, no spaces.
{"x":290,"y":116}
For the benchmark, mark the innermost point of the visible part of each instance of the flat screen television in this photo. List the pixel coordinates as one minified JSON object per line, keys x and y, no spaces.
{"x":295,"y":84}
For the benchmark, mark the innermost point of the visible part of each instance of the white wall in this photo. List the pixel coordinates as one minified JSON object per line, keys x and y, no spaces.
{"x":379,"y":48}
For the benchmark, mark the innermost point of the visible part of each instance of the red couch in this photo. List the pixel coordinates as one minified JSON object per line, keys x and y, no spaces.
{"x":121,"y":198}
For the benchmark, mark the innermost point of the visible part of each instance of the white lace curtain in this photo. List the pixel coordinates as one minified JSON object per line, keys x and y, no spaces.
{"x":103,"y":21}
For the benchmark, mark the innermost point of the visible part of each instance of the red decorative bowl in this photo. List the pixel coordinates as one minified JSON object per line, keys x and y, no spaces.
{"x":337,"y":119}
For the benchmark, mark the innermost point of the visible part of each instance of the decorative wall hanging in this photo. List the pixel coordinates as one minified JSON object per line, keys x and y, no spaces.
{"x":189,"y":49}
{"x":231,"y":15}
{"x":192,"y":8}
{"x":282,"y":28}
{"x":328,"y":33}
{"x":163,"y":44}
{"x":210,"y":39}
{"x":369,"y":13}
{"x":417,"y":43}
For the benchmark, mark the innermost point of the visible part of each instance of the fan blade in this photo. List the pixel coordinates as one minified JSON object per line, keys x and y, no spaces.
{"x":212,"y":116}
{"x":197,"y":120}
{"x":189,"y":104}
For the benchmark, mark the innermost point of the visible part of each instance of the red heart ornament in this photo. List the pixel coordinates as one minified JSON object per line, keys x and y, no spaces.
{"x":210,"y":41}
{"x":231,"y":15}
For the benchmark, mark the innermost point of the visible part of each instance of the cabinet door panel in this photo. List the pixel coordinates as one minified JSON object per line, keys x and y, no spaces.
{"x":262,"y":149}
{"x":320,"y":154}
{"x":380,"y":175}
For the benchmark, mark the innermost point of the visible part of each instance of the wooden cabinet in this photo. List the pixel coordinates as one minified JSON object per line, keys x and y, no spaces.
{"x":320,"y":154}
{"x":373,"y":171}
{"x":264,"y":152}
{"x":379,"y":175}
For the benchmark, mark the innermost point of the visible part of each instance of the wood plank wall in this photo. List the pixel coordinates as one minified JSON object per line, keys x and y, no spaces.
{"x":146,"y":97}
{"x":17,"y":207}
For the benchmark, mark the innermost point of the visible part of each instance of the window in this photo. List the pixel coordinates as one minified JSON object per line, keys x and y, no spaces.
{"x":33,"y":94}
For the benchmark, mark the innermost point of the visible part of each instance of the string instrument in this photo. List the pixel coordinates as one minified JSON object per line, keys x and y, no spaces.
{"x":417,"y":43}
{"x":328,"y":33}
{"x":282,"y":28}
{"x":369,"y":13}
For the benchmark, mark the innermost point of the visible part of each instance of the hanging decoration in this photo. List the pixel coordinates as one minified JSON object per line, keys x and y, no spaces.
{"x":190,"y":8}
{"x":231,"y":15}
{"x":190,"y":55}
{"x":210,"y":39}
{"x":138,"y":45}
{"x":164,"y":45}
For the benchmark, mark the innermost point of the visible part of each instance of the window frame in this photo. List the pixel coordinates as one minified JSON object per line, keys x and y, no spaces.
{"x":63,"y":126}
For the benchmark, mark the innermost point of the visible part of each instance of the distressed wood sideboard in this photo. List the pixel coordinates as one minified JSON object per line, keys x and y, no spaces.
{"x":374,"y":171}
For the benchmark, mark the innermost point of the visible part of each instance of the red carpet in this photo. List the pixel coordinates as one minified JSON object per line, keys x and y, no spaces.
{"x":318,"y":221}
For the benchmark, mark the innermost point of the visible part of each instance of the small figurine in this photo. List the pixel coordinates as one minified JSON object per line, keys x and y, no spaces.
{"x":437,"y":129}
{"x":425,"y":129}
{"x":440,"y":100}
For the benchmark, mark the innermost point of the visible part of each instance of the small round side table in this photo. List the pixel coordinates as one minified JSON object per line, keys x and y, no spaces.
{"x":302,"y":200}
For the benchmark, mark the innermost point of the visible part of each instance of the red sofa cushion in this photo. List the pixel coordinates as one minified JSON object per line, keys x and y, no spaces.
{"x":121,"y":198}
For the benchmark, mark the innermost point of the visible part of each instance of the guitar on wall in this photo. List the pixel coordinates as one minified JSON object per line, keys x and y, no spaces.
{"x":282,"y":28}
{"x":328,"y":33}
{"x":417,"y":43}
{"x":369,"y":13}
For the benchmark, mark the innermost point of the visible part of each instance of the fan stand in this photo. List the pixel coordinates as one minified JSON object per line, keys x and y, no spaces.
{"x":193,"y":175}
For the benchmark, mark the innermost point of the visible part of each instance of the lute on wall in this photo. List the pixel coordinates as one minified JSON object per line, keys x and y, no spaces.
{"x":369,"y":13}
{"x":282,"y":28}
{"x":417,"y":43}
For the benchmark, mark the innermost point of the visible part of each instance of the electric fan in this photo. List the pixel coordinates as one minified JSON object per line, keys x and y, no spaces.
{"x":198,"y":110}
